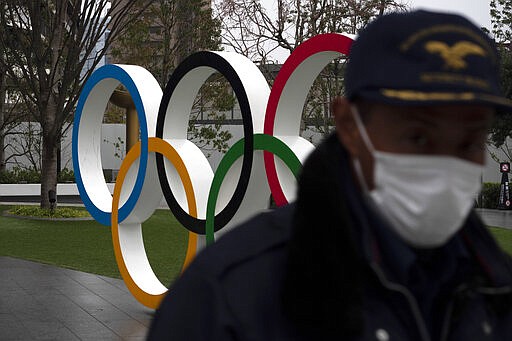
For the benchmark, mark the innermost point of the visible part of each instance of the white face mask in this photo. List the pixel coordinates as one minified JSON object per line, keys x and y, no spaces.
{"x":425,"y":198}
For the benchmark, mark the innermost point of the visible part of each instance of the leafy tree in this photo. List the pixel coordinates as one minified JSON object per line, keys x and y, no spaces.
{"x":18,"y":136}
{"x":258,"y":32}
{"x":9,"y":118}
{"x":44,"y":46}
{"x":501,"y":30}
{"x":11,"y":111}
{"x":26,"y":143}
{"x":168,"y":32}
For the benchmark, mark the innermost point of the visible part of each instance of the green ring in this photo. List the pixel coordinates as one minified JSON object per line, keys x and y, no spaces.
{"x":261,"y":142}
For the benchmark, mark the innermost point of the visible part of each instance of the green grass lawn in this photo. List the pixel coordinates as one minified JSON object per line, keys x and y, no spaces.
{"x":87,"y":245}
{"x":504,"y":238}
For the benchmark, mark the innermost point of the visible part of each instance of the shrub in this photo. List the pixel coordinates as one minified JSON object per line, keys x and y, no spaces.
{"x":489,"y":195}
{"x":6,"y":177}
{"x":66,"y":175}
{"x":59,"y":212}
{"x":20,"y":175}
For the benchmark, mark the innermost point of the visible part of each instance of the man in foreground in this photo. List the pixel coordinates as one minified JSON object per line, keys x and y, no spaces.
{"x":382,"y":242}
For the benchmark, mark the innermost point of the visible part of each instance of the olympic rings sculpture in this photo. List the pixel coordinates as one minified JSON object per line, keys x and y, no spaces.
{"x":204,"y":202}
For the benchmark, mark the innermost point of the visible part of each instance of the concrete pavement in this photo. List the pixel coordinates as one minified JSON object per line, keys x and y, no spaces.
{"x":43,"y":302}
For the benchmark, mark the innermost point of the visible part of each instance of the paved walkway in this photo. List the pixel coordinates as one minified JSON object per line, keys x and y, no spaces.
{"x":43,"y":302}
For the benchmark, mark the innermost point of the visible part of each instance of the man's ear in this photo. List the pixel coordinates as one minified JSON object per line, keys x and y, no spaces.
{"x":346,"y":127}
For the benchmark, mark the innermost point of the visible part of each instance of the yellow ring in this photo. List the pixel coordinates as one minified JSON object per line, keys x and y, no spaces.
{"x":162,"y":147}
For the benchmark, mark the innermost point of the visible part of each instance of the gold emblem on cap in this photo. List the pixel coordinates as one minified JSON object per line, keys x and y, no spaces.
{"x":454,"y":56}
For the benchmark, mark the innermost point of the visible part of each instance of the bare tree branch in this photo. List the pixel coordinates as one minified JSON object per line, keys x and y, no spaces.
{"x":45,"y":45}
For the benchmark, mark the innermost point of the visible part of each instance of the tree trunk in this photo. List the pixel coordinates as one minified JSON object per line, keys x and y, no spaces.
{"x":2,"y":153}
{"x":3,"y":90}
{"x":49,"y":153}
{"x":48,"y":170}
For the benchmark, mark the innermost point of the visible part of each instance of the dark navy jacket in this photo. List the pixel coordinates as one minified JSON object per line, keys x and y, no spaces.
{"x":327,"y":268}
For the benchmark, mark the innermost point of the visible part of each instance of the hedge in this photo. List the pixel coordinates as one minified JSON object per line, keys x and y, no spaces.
{"x":20,"y":175}
{"x":489,"y":195}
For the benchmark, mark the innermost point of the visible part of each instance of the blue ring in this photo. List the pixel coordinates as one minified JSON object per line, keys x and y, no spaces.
{"x":114,"y":72}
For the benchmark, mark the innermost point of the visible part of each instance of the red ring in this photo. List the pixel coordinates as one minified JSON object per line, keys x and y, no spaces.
{"x":320,"y":43}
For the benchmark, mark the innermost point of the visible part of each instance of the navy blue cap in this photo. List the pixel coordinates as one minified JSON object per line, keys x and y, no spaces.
{"x":424,"y":58}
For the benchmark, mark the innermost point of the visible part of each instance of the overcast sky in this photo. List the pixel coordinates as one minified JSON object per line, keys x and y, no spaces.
{"x":476,"y":10}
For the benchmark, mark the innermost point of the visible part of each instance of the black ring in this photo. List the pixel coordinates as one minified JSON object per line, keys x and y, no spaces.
{"x":220,"y":64}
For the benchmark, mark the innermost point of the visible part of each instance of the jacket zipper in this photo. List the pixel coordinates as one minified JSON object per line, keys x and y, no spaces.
{"x":420,"y":322}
